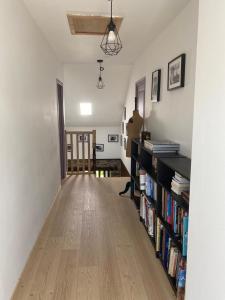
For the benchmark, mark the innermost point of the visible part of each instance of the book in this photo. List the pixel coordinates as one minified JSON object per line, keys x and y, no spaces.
{"x":185,"y":235}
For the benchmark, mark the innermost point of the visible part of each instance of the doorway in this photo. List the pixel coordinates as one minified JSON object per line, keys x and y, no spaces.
{"x":140,"y":97}
{"x":61,"y":125}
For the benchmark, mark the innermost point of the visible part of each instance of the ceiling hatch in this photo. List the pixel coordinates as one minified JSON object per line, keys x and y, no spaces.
{"x":90,"y":25}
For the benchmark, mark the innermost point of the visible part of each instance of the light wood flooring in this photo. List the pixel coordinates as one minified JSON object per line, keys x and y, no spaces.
{"x":93,"y":247}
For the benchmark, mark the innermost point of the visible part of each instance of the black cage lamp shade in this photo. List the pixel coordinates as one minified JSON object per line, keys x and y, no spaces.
{"x":111,"y":43}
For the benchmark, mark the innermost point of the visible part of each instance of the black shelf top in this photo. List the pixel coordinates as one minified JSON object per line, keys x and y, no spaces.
{"x":181,"y":165}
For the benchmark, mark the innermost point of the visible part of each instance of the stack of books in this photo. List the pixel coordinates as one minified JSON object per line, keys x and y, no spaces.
{"x":162,"y":146}
{"x":179,"y":184}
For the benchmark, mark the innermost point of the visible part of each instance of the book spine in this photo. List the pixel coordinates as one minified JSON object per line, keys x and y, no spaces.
{"x":185,"y":235}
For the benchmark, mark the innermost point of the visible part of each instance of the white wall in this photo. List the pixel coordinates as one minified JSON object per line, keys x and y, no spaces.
{"x":172,"y":117}
{"x":80,"y":86}
{"x":206,"y":260}
{"x":29,"y":159}
{"x":111,"y":150}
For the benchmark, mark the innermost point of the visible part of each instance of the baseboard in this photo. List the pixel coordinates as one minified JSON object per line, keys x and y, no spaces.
{"x":42,"y":227}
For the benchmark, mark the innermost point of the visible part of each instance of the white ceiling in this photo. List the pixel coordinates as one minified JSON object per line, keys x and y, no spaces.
{"x":143,"y":20}
{"x":80,"y":86}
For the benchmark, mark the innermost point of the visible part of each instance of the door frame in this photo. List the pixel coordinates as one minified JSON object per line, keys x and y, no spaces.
{"x":61,"y":128}
{"x":141,"y":82}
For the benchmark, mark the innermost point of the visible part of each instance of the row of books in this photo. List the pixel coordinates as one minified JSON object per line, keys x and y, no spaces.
{"x":179,"y":184}
{"x":171,"y":257}
{"x":176,"y":217}
{"x":161,"y":146}
{"x":147,"y":184}
{"x":147,"y":215}
{"x":150,"y":187}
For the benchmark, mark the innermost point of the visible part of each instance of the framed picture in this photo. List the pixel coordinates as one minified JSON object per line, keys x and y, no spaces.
{"x":124,"y":113}
{"x":99,"y":147}
{"x":121,"y":140}
{"x":176,"y":73}
{"x":156,"y":82}
{"x":83,"y":137}
{"x":113,"y":138}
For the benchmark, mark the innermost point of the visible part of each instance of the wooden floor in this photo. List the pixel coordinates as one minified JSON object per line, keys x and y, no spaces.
{"x":93,"y":247}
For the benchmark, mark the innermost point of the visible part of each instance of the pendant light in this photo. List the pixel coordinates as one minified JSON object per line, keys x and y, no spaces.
{"x":100,"y":83}
{"x":111,"y":43}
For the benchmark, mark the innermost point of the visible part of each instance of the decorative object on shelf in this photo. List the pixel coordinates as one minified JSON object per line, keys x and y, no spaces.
{"x":83,"y":138}
{"x":133,"y":127}
{"x":176,"y":72}
{"x":99,"y":147}
{"x":124,"y":113}
{"x":100,"y":83}
{"x":113,"y":138}
{"x":156,"y":83}
{"x":111,"y":43}
{"x":145,"y":135}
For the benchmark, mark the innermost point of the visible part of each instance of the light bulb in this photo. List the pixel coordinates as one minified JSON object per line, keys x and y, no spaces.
{"x":100,"y":84}
{"x":111,"y":36}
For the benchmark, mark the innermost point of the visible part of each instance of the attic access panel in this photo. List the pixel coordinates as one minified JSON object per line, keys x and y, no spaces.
{"x":90,"y":25}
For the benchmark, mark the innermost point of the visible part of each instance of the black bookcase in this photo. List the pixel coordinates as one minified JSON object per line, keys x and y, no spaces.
{"x":161,"y":168}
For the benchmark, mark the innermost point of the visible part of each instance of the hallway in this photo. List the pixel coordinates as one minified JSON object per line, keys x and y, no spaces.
{"x":93,"y":247}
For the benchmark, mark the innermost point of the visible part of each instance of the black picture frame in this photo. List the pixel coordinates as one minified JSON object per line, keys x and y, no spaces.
{"x":176,"y":73}
{"x":113,"y":138}
{"x":83,"y":137}
{"x":99,"y":147}
{"x":156,"y":85}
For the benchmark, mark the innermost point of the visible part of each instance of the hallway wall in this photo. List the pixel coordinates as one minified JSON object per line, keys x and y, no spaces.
{"x":29,"y":154}
{"x":172,"y":117}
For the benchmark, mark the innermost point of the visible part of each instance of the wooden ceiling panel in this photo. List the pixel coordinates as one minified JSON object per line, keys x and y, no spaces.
{"x":90,"y":25}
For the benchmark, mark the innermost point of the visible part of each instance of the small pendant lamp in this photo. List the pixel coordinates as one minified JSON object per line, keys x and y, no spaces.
{"x":100,"y":83}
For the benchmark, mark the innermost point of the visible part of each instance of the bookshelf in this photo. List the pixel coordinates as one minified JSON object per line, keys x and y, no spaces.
{"x":163,"y":213}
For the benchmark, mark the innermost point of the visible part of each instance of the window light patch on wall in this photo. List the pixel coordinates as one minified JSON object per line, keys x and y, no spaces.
{"x":85,"y":109}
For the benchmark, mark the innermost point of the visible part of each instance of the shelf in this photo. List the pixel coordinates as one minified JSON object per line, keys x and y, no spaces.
{"x":136,"y":181}
{"x":166,"y":186}
{"x":181,"y":165}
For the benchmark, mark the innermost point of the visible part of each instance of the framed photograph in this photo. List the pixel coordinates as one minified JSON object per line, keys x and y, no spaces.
{"x":124,"y":113}
{"x":121,"y":140}
{"x":176,"y":73}
{"x":113,"y":138}
{"x":99,"y":147}
{"x":156,"y":82}
{"x":83,"y":138}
